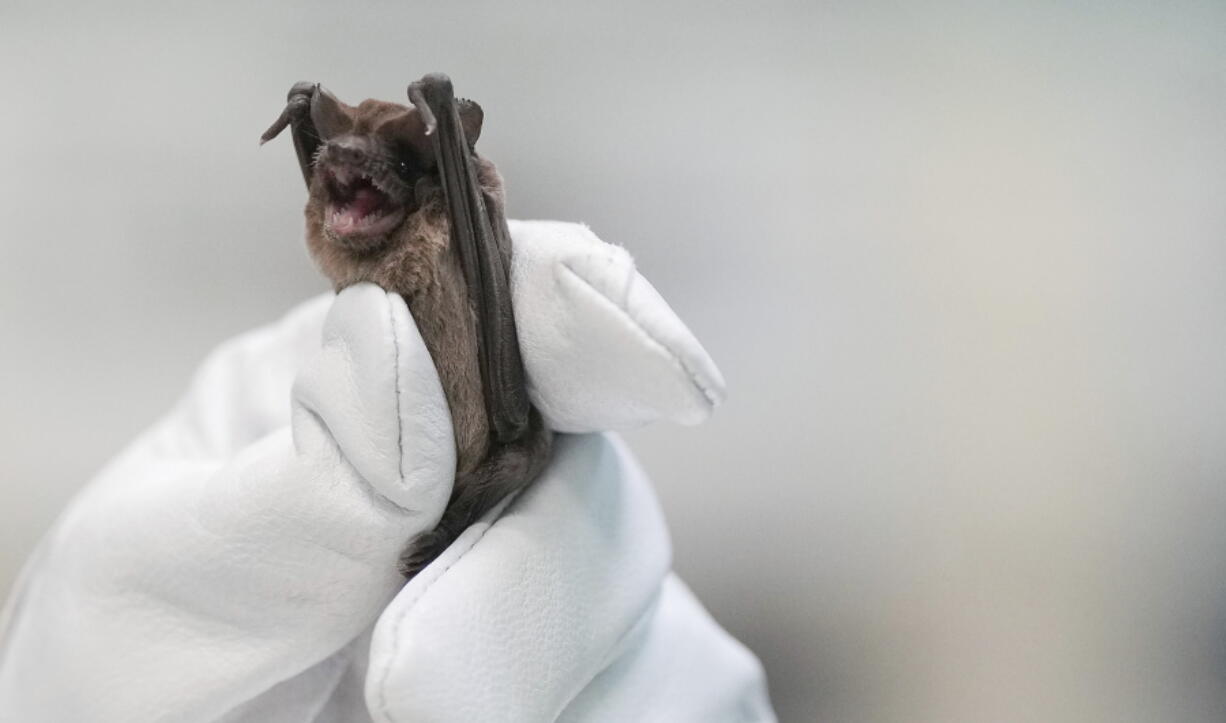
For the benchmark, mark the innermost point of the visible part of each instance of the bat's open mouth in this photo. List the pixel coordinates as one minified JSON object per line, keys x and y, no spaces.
{"x":358,"y":205}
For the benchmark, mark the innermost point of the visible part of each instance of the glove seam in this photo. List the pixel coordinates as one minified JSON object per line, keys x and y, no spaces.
{"x":391,"y":314}
{"x":708,"y":394}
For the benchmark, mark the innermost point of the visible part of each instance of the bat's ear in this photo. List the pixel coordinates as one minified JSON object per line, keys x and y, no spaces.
{"x":471,"y":117}
{"x":330,"y":116}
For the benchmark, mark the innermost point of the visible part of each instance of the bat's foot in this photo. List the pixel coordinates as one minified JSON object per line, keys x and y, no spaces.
{"x":424,"y":549}
{"x":508,"y":469}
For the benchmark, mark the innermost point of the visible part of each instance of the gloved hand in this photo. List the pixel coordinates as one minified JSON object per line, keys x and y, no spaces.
{"x":238,"y":561}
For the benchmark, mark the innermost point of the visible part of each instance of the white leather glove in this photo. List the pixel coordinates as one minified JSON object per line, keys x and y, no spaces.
{"x":237,"y":562}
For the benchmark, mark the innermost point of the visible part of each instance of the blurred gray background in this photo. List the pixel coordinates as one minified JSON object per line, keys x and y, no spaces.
{"x":963,"y":265}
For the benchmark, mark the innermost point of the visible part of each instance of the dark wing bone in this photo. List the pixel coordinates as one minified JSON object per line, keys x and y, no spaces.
{"x":479,"y":230}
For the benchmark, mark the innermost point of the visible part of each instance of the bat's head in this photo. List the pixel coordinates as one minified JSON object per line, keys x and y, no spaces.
{"x":368,"y":167}
{"x":365,"y":173}
{"x":374,"y":166}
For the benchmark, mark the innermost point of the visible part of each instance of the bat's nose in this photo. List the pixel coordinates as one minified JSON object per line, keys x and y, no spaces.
{"x":349,"y":149}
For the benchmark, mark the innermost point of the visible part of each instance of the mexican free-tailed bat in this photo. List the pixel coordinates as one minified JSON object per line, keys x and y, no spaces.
{"x":398,"y":196}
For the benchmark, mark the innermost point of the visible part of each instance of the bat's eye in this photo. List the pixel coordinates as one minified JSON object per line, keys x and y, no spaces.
{"x":404,"y":170}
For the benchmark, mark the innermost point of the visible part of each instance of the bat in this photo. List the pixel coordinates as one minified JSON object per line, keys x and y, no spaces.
{"x":398,"y":195}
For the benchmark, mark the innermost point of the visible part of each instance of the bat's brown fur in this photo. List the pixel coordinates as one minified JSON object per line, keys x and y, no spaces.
{"x":418,"y":261}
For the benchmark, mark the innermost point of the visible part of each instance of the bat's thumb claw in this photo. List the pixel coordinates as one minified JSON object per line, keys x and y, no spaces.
{"x":277,"y":126}
{"x":418,"y":97}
